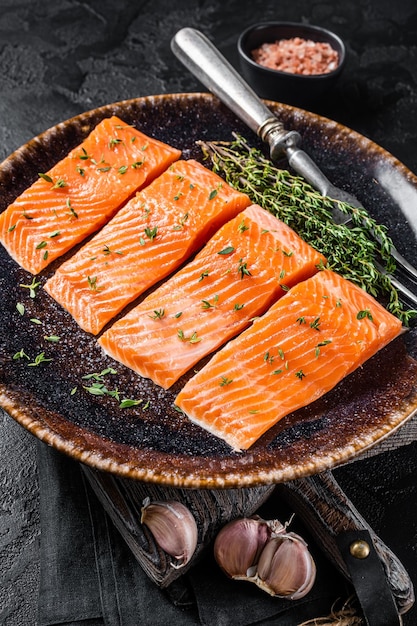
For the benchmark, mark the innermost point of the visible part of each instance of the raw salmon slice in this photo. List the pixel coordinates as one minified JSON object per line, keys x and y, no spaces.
{"x":319,"y":332}
{"x":147,"y":239}
{"x":236,"y":276}
{"x":81,"y":193}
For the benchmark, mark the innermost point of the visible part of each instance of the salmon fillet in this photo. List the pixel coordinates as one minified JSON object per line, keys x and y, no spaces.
{"x":319,"y":332}
{"x":148,"y":238}
{"x":81,"y":193}
{"x":235,"y":277}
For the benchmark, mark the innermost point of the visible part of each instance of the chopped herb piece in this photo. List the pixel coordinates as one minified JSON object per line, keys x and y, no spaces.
{"x":35,"y":320}
{"x":99,"y":376}
{"x":21,"y":355}
{"x":80,"y":170}
{"x":277,"y":371}
{"x":281,"y":353}
{"x":105,"y":168}
{"x":72,"y":212}
{"x":40,"y":358}
{"x":364,"y":314}
{"x":84,"y":156}
{"x":193,"y":339}
{"x":114,"y":142}
{"x":151,"y":232}
{"x":212,"y":194}
{"x":227,"y":250}
{"x":225,"y":381}
{"x":207,"y":305}
{"x":285,"y":287}
{"x":238,"y":307}
{"x":26,"y":216}
{"x":243,"y":269}
{"x":20,"y":307}
{"x":41,"y":245}
{"x":53,"y":339}
{"x":45,"y":177}
{"x":315,"y":324}
{"x":300,"y":374}
{"x":45,"y":255}
{"x":32,"y":287}
{"x":178,"y":196}
{"x":282,"y":274}
{"x":177,"y":315}
{"x":11,"y":228}
{"x":242,"y":227}
{"x":203,"y":275}
{"x":122,"y":169}
{"x":60,"y":182}
{"x":182,"y":221}
{"x":73,"y":391}
{"x":301,"y":320}
{"x":320,"y":345}
{"x":288,"y":254}
{"x":54,"y":234}
{"x":158,"y":314}
{"x":96,"y":389}
{"x":338,"y":303}
{"x":254,"y":411}
{"x":107,"y":251}
{"x":127,"y":403}
{"x":92,"y":282}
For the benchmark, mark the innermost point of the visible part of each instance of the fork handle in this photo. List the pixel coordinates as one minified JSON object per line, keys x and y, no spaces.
{"x":203,"y":60}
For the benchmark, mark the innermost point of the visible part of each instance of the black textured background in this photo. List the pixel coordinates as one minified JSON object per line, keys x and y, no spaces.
{"x":59,"y":58}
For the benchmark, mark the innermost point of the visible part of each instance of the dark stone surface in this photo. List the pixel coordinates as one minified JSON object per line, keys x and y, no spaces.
{"x":59,"y":58}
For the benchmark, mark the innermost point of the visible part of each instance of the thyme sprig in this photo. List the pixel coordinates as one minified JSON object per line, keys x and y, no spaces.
{"x":360,"y":253}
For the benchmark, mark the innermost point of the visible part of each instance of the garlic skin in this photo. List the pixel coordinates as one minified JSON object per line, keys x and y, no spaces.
{"x":286,"y":568}
{"x":173,"y":527}
{"x":262,"y":552}
{"x":238,"y":545}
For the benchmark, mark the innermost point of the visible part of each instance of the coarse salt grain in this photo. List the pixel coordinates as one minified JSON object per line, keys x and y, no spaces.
{"x":297,"y":56}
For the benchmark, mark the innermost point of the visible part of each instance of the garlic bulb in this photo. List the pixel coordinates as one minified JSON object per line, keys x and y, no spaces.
{"x":286,"y":567}
{"x":262,"y":552}
{"x":238,"y":545}
{"x":173,"y":527}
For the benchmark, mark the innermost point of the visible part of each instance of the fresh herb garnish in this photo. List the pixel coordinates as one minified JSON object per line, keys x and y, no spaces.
{"x":243,"y":269}
{"x":32,"y":287}
{"x":355,"y":253}
{"x":364,"y":314}
{"x":158,"y":314}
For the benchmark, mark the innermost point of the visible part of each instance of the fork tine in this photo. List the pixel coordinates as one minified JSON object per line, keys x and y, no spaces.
{"x":408,"y":297}
{"x":403,"y":264}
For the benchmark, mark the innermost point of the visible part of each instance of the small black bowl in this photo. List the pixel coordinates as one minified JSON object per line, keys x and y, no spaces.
{"x":296,"y":89}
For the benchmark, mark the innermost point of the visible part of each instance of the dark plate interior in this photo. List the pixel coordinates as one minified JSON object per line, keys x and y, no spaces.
{"x":152,"y":441}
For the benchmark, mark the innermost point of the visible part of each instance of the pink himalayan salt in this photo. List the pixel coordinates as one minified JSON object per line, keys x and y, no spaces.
{"x":297,"y":56}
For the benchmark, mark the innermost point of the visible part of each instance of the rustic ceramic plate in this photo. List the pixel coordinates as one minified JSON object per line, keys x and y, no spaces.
{"x":152,"y":441}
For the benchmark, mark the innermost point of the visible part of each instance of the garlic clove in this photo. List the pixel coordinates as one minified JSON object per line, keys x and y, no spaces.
{"x":173,"y":527}
{"x":286,"y":567}
{"x":238,"y":545}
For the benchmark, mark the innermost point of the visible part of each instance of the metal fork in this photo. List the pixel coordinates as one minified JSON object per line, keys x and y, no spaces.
{"x":203,"y":59}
